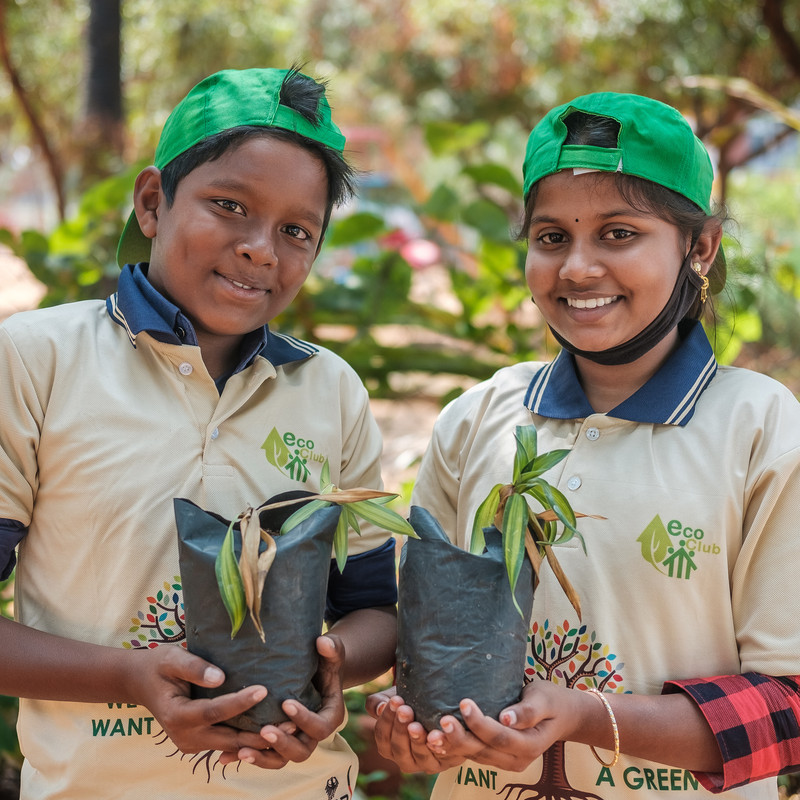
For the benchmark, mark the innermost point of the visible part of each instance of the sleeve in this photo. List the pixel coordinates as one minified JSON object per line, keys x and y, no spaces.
{"x":436,"y":485}
{"x":362,"y":447}
{"x":11,"y":534}
{"x":22,"y":415}
{"x":368,"y":580}
{"x":754,"y":718}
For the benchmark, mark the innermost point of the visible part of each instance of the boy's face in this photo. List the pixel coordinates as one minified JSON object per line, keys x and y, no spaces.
{"x":239,"y":240}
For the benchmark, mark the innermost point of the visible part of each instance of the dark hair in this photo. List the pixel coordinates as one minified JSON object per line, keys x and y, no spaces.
{"x":641,"y":194}
{"x":299,"y":93}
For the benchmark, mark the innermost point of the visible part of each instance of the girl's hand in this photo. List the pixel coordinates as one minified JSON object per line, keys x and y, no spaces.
{"x":546,"y":713}
{"x":403,"y":740}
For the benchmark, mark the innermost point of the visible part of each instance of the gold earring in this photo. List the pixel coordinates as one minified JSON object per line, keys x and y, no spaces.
{"x":698,"y":268}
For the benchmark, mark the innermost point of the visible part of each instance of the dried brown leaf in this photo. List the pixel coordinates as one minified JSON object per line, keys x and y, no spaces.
{"x":248,"y":560}
{"x":564,"y":582}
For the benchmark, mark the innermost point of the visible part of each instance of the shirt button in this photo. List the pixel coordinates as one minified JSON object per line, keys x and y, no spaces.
{"x":592,"y":434}
{"x":186,"y":368}
{"x":180,"y":332}
{"x":574,"y":483}
{"x":215,"y":433}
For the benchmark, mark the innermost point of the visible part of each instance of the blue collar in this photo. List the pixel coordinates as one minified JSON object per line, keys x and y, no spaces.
{"x":138,"y":306}
{"x":668,"y":398}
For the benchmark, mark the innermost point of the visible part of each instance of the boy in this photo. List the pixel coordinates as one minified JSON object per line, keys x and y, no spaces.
{"x":172,"y":388}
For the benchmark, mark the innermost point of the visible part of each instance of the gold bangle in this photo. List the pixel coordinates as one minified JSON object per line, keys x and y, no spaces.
{"x":601,"y":697}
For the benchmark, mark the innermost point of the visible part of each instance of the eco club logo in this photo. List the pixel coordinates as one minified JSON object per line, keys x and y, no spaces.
{"x":672,"y":548}
{"x":291,"y":454}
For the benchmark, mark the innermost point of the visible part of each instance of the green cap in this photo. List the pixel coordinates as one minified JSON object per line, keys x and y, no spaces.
{"x":228,"y":99}
{"x":655,"y":143}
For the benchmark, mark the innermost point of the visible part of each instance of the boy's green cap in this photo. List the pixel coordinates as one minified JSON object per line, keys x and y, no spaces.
{"x":655,"y":143}
{"x":227,"y":99}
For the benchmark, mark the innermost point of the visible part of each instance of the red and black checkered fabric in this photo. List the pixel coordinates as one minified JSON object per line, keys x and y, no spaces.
{"x":756,"y":720}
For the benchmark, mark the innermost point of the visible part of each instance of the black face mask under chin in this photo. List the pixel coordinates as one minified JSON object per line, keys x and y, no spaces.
{"x":685,"y":292}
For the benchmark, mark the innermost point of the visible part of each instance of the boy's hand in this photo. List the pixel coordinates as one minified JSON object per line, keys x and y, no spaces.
{"x":402,"y":739}
{"x":297,"y":739}
{"x":162,"y":680}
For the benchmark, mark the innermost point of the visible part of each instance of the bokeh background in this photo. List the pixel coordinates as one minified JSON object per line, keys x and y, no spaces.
{"x":420,"y":283}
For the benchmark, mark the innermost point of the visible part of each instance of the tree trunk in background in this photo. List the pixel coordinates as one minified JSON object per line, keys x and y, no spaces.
{"x":38,"y":132}
{"x":101,"y":129}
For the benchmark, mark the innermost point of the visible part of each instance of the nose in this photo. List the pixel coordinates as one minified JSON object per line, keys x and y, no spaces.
{"x":581,"y":262}
{"x":258,"y":246}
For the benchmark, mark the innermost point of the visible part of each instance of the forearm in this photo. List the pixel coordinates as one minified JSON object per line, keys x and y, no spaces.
{"x":45,"y":667}
{"x":370,"y":638}
{"x":667,"y":729}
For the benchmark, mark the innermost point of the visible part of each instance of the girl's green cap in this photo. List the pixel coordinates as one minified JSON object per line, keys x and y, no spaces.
{"x":227,"y":99}
{"x":655,"y":143}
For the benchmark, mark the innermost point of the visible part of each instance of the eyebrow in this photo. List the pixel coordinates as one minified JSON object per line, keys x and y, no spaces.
{"x":228,"y":185}
{"x":620,"y":212}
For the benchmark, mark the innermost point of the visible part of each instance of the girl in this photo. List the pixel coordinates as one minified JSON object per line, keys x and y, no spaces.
{"x":683,"y":669}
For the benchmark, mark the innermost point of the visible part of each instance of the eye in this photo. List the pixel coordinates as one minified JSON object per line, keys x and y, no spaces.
{"x":551,"y":238}
{"x":297,"y":232}
{"x":618,"y":234}
{"x":230,"y":205}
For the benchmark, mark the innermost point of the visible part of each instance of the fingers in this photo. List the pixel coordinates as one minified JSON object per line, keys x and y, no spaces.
{"x":297,"y":739}
{"x":375,"y":702}
{"x":328,"y":681}
{"x":487,"y":741}
{"x":226,"y":706}
{"x":402,"y":739}
{"x":181,"y":665}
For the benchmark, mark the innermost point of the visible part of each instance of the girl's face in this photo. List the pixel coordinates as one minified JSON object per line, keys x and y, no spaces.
{"x":599,"y":270}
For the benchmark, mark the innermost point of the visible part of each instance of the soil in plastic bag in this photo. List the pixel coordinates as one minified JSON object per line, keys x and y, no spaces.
{"x":292,"y":608}
{"x":459,"y":633}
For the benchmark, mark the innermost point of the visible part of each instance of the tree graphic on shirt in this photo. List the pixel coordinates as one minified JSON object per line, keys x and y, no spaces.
{"x":164,"y":620}
{"x":570,"y":656}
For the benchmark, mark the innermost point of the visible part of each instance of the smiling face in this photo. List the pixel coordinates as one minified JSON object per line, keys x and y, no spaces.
{"x":599,"y":270}
{"x":239,"y":240}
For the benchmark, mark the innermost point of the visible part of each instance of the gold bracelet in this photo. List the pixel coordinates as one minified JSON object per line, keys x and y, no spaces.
{"x":601,"y":697}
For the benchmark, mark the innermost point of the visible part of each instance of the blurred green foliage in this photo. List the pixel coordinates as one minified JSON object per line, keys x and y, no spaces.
{"x":454,"y":86}
{"x":364,"y":284}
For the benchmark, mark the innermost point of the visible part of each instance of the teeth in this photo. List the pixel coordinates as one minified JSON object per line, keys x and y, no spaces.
{"x":591,"y":302}
{"x":240,"y":285}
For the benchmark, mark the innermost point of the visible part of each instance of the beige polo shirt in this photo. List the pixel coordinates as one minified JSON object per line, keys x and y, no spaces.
{"x":687,"y":575}
{"x":101,"y":428}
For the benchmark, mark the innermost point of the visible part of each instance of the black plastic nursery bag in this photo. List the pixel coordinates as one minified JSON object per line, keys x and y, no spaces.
{"x":292,"y":608}
{"x":459,"y":633}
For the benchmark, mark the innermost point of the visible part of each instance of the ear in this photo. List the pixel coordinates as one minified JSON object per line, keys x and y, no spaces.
{"x":146,"y":198}
{"x":707,"y":245}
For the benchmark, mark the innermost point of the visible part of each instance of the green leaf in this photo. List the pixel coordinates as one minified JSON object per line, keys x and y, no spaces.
{"x":563,"y":508}
{"x":484,"y":518}
{"x":325,"y":475}
{"x":340,"y":538}
{"x":515,"y":525}
{"x":302,"y":514}
{"x":527,"y":439}
{"x":442,"y":204}
{"x":449,"y":137}
{"x":275,"y":449}
{"x":383,"y":517}
{"x":488,"y":219}
{"x":495,"y":174}
{"x":229,"y":581}
{"x":547,"y":461}
{"x":358,"y":227}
